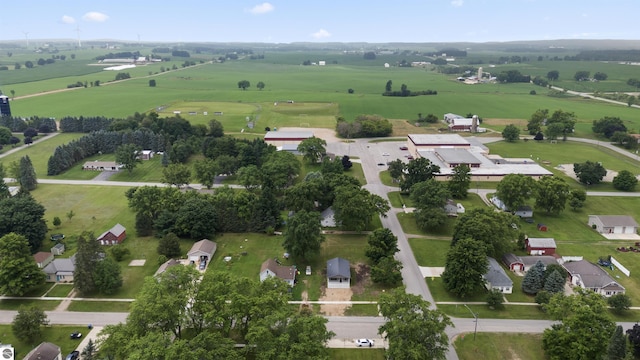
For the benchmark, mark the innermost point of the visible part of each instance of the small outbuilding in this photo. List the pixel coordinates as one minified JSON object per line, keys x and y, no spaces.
{"x":113,"y":236}
{"x":271,"y":268}
{"x":202,"y":250}
{"x":338,"y":273}
{"x":540,"y":246}
{"x":524,"y":212}
{"x":58,"y":249}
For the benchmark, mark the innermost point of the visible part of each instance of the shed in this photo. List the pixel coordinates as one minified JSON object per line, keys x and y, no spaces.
{"x":113,"y":236}
{"x":58,"y":249}
{"x":271,"y":268}
{"x":540,"y":246}
{"x":338,"y":273}
{"x":145,"y":155}
{"x":542,"y":227}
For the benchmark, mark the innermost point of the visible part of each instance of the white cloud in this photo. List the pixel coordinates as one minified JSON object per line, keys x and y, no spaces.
{"x":94,"y":16}
{"x":457,"y":3}
{"x":261,"y":9}
{"x":66,"y":19}
{"x":321,"y":34}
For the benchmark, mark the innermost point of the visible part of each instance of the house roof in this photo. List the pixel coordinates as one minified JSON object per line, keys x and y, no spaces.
{"x":61,"y":265}
{"x":542,"y":243}
{"x":166,"y":265}
{"x":457,"y":156}
{"x":338,"y":267}
{"x":205,"y":245}
{"x":293,"y":135}
{"x":116,"y":230}
{"x":41,"y":256}
{"x":532,"y":260}
{"x":511,"y":258}
{"x":616,"y":220}
{"x":283,"y":272}
{"x":592,"y":275}
{"x":44,"y":351}
{"x":495,"y":274}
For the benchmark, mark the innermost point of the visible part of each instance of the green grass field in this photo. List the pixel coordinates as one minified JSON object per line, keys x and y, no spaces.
{"x":499,"y":346}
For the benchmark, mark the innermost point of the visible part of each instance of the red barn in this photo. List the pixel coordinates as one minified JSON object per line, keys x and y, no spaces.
{"x":113,"y":236}
{"x":540,"y":246}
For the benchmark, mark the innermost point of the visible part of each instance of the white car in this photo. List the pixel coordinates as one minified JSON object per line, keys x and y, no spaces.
{"x":385,"y":154}
{"x":364,"y":342}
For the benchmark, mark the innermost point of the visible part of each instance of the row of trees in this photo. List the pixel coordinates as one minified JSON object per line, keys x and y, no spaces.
{"x":404,"y":91}
{"x":245,"y":84}
{"x":551,"y":193}
{"x":18,"y":124}
{"x":560,"y":123}
{"x":364,"y":126}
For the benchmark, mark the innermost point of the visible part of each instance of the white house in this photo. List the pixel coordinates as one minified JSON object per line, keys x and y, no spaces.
{"x":497,"y":278}
{"x":613,"y":224}
{"x":271,"y":268}
{"x":338,"y":274}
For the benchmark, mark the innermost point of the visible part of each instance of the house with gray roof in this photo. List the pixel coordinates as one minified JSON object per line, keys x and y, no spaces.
{"x":497,"y":278}
{"x":524,"y":263}
{"x":338,"y":274}
{"x":202,"y":250}
{"x":593,"y":277}
{"x":165,"y":266}
{"x":44,"y":351}
{"x":60,"y":270}
{"x":327,"y":218}
{"x":271,"y":268}
{"x":613,"y":224}
{"x":540,"y":246}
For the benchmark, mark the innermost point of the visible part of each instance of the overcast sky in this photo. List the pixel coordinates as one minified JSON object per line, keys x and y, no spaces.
{"x":286,"y":21}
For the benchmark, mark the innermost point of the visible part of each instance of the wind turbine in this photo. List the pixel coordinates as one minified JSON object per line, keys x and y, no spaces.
{"x":78,"y":32}
{"x":26,"y":36}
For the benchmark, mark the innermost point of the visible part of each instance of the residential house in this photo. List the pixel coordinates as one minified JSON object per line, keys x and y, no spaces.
{"x":271,"y":268}
{"x":43,"y":258}
{"x":101,"y":166}
{"x":524,"y":263}
{"x":613,"y":224}
{"x":44,"y":351}
{"x":113,"y":236}
{"x":202,"y":250}
{"x":58,"y":249}
{"x":593,"y":277}
{"x":540,"y":246}
{"x":453,"y":209}
{"x":497,"y":278}
{"x":60,"y":270}
{"x":338,"y":274}
{"x":165,"y":266}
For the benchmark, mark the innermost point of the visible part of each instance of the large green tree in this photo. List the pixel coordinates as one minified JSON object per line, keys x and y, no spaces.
{"x":196,"y":218}
{"x":176,"y":174}
{"x":589,"y":172}
{"x":617,"y":349}
{"x":387,"y":271}
{"x":514,"y":190}
{"x":303,"y":195}
{"x":87,"y":257}
{"x":583,"y":326}
{"x":128,"y":155}
{"x":27,"y":179}
{"x":460,"y":181}
{"x":312,"y":149}
{"x":534,"y":279}
{"x":490,"y":227}
{"x":418,"y":170}
{"x":511,"y":133}
{"x":381,"y":243}
{"x":608,"y":125}
{"x":429,"y":198}
{"x":466,"y":263}
{"x":551,"y":194}
{"x":413,"y":330}
{"x":5,"y":135}
{"x":18,"y":270}
{"x":303,"y":235}
{"x":206,"y":171}
{"x":396,"y":169}
{"x":625,"y":181}
{"x":27,"y":324}
{"x":355,"y":207}
{"x":281,"y":167}
{"x":23,"y":215}
{"x":566,"y":120}
{"x":169,"y":246}
{"x":108,"y":276}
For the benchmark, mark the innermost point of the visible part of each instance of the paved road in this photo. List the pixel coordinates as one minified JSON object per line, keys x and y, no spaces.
{"x":39,"y":139}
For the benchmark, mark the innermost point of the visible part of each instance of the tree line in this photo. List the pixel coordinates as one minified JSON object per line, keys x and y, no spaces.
{"x":18,"y":124}
{"x":404,"y":91}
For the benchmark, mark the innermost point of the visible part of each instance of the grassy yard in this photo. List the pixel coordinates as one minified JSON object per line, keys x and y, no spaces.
{"x":60,"y":290}
{"x":499,"y":346}
{"x":58,"y":335}
{"x":356,"y":354}
{"x":99,"y":306}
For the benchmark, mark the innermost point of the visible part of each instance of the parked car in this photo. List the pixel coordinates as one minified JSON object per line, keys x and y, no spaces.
{"x":74,"y":355}
{"x":364,"y":343}
{"x":57,"y":237}
{"x":385,"y":154}
{"x":404,"y":148}
{"x":308,"y":270}
{"x":203,"y":264}
{"x":75,"y":335}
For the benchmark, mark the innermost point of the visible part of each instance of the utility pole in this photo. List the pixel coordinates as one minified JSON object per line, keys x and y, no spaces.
{"x":78,"y":33}
{"x":475,"y":316}
{"x":26,"y":36}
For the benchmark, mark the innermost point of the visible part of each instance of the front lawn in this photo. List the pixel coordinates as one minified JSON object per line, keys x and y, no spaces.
{"x":499,"y":346}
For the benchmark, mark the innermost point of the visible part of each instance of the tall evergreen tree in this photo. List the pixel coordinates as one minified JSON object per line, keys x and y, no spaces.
{"x":27,"y":179}
{"x":617,"y":345}
{"x":4,"y":189}
{"x":533,"y":280}
{"x":86,"y":259}
{"x":169,"y":246}
{"x":554,"y":283}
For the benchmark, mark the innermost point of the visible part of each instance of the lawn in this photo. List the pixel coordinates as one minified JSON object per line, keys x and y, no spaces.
{"x":356,"y":354}
{"x":499,"y":346}
{"x":99,"y":306}
{"x":429,"y":252}
{"x":60,"y":290}
{"x":58,"y":335}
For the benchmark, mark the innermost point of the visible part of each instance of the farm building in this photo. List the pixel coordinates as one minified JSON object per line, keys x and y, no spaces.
{"x":613,"y":224}
{"x":5,"y":108}
{"x":279,"y":138}
{"x":113,"y":236}
{"x":271,"y":268}
{"x":101,"y":166}
{"x":540,"y":246}
{"x":591,"y":276}
{"x":524,"y":263}
{"x":497,"y":278}
{"x":450,"y":150}
{"x":338,"y":274}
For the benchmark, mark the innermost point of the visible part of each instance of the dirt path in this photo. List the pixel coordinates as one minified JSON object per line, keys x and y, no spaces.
{"x":335,"y":295}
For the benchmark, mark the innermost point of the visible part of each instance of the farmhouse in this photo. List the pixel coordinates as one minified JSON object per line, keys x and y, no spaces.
{"x":613,"y":224}
{"x":271,"y":268}
{"x":338,"y":274}
{"x":540,"y":246}
{"x":591,"y":276}
{"x":44,"y":351}
{"x":279,"y":138}
{"x":497,"y":278}
{"x":202,"y":250}
{"x":450,"y":150}
{"x":60,"y":270}
{"x":101,"y":166}
{"x":524,"y":263}
{"x":113,"y":236}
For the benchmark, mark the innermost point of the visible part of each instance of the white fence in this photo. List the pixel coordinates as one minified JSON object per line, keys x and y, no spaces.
{"x":620,"y":267}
